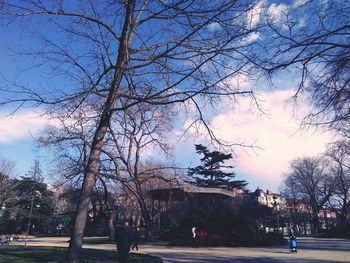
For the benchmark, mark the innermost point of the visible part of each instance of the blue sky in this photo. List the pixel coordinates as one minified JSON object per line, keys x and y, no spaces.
{"x":277,"y":133}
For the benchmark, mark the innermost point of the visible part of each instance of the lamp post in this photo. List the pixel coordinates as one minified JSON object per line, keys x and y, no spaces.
{"x":30,"y":214}
{"x":3,"y":206}
{"x":275,"y":204}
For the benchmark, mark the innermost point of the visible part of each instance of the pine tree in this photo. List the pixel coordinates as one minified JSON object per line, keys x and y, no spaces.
{"x":35,"y":172}
{"x":212,"y":171}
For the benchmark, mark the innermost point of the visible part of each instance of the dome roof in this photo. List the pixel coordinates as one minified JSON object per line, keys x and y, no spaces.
{"x":259,"y":192}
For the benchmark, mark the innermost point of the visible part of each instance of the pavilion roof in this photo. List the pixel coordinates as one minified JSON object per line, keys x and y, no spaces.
{"x":179,"y":193}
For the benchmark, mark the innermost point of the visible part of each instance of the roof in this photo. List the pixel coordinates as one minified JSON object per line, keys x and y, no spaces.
{"x":259,"y":192}
{"x":179,"y":193}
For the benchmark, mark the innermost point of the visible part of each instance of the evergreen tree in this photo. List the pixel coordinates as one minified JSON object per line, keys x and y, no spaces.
{"x":213,"y":172}
{"x":35,"y":172}
{"x":17,"y":213}
{"x":7,"y":186}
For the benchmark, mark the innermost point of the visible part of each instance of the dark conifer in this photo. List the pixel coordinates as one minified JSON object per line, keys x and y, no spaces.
{"x":213,"y":172}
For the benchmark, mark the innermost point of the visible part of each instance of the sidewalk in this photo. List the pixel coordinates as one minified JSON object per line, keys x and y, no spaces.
{"x":310,"y":250}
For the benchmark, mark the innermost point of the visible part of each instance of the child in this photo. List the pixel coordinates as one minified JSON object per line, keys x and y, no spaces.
{"x":293,"y":244}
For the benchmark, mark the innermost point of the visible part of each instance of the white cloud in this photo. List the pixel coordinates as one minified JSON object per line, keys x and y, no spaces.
{"x":301,"y":22}
{"x":254,"y":14}
{"x":214,"y":26}
{"x":252,"y":37}
{"x":239,"y":81}
{"x":19,"y":126}
{"x":299,"y":3}
{"x":275,"y":12}
{"x":277,"y":132}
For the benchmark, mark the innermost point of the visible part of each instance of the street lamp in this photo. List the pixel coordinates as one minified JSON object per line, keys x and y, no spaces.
{"x":276,"y":207}
{"x":2,"y":209}
{"x":30,"y":214}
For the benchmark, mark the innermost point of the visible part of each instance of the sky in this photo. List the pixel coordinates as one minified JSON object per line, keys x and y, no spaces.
{"x":277,"y":135}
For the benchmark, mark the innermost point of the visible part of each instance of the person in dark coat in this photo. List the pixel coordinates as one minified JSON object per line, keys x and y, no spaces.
{"x":136,"y":239}
{"x":123,"y":238}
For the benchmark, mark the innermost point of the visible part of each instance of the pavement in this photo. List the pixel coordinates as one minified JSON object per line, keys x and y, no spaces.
{"x":310,"y":250}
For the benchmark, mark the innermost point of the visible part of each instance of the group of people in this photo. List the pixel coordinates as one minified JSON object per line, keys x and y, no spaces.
{"x":197,"y":235}
{"x":291,"y":234}
{"x":126,"y":238}
{"x":5,"y":240}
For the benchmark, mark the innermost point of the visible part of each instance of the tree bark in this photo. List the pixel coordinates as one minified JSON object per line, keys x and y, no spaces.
{"x":110,"y":223}
{"x":316,"y":221}
{"x":84,"y":201}
{"x":76,"y":240}
{"x":148,"y":221}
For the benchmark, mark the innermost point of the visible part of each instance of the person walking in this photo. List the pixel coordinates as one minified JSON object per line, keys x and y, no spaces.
{"x":194,"y":237}
{"x":136,"y":239}
{"x":292,"y":240}
{"x":123,"y":238}
{"x":291,"y":231}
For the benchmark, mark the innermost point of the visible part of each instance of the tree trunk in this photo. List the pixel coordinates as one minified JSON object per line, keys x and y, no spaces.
{"x":316,"y":223}
{"x":111,"y":219}
{"x":315,"y":219}
{"x":147,"y":219}
{"x":76,"y":241}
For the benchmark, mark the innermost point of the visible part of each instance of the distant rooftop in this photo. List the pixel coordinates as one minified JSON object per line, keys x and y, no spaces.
{"x":179,"y":193}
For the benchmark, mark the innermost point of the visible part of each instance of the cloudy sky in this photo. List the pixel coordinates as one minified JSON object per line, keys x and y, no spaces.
{"x":276,"y":133}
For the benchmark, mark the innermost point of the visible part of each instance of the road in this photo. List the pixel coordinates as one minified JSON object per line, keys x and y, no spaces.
{"x":310,"y":250}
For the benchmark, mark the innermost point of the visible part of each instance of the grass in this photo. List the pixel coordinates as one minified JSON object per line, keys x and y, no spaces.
{"x":98,"y":240}
{"x":20,"y":254}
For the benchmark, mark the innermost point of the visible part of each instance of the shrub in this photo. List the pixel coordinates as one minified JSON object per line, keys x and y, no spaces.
{"x":337,"y":232}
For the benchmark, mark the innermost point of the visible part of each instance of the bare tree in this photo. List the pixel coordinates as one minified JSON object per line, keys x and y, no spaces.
{"x":137,"y":130}
{"x":116,"y":54}
{"x":312,"y":40}
{"x":70,"y":142}
{"x":132,"y":134}
{"x":339,"y":153}
{"x":7,"y":186}
{"x":309,"y":180}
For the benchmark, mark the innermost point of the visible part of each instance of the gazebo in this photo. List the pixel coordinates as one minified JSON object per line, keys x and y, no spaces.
{"x":183,"y":193}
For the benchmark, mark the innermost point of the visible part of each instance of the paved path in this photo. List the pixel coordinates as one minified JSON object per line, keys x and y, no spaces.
{"x":310,"y":250}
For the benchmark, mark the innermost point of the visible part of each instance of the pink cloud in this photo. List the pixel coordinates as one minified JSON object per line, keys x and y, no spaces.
{"x":278,"y":133}
{"x":19,"y":126}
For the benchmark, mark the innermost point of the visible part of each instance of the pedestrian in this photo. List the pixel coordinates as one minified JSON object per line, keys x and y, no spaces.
{"x":291,"y":232}
{"x":136,"y":239}
{"x":292,"y":240}
{"x":3,"y":240}
{"x":194,"y":237}
{"x":123,"y":238}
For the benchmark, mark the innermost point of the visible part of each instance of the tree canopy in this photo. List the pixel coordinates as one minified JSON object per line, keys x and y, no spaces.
{"x":316,"y":48}
{"x":309,"y":180}
{"x":107,"y":56}
{"x":213,"y":172}
{"x":17,"y":213}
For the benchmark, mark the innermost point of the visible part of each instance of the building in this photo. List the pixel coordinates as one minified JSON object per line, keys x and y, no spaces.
{"x":268,"y":198}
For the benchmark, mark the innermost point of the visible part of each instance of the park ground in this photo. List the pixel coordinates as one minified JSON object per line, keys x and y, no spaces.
{"x":310,"y":250}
